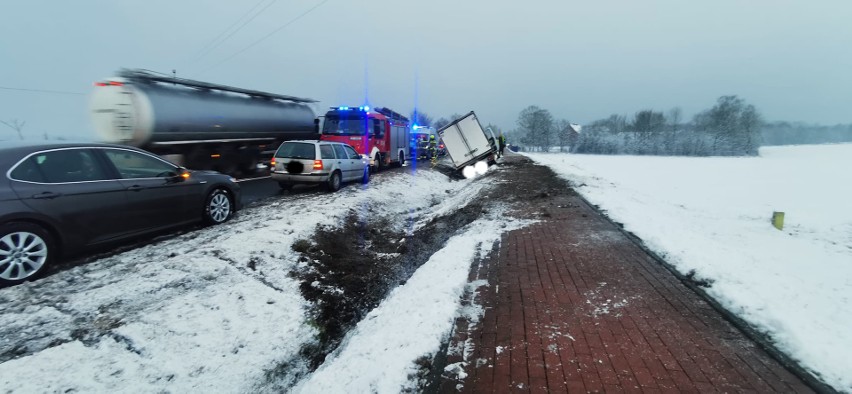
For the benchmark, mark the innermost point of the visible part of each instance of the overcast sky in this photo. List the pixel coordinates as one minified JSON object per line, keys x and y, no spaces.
{"x":582,"y":60}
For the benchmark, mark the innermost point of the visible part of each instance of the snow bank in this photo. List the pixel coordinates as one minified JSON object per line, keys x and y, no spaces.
{"x":712,"y":215}
{"x":210,"y":310}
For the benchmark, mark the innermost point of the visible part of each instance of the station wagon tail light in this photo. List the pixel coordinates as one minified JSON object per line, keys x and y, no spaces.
{"x":317,"y":164}
{"x":272,"y":162}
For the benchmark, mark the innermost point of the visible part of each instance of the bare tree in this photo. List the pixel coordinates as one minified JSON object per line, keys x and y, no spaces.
{"x":647,"y":121}
{"x":421,"y":118}
{"x":536,"y":125}
{"x":16,"y":125}
{"x":735,"y":126}
{"x":674,"y":118}
{"x":441,"y":122}
{"x":564,"y":134}
{"x":750,"y":125}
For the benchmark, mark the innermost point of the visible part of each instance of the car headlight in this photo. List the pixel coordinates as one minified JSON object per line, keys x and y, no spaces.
{"x":232,"y":179}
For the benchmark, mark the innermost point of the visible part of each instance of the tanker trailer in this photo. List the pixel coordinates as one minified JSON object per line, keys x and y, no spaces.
{"x":197,"y":124}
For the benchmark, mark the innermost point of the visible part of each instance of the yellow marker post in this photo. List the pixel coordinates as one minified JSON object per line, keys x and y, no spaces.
{"x":778,"y":220}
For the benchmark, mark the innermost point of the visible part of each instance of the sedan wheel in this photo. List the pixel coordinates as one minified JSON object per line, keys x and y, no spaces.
{"x":218,"y":208}
{"x":24,"y":250}
{"x":334,"y":182}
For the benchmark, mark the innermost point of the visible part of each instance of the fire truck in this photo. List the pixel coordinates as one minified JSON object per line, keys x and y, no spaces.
{"x":380,"y":134}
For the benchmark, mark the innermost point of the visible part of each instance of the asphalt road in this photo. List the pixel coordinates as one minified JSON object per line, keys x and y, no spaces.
{"x":257,"y":189}
{"x":260,"y":188}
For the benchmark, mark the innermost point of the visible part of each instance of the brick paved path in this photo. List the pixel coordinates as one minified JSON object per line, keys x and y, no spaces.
{"x":573,"y":305}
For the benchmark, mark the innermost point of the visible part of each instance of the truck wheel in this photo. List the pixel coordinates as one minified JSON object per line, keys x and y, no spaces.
{"x":249,"y":167}
{"x":25,"y":249}
{"x":248,"y":160}
{"x":379,"y":163}
{"x":401,"y":158}
{"x":333,"y":184}
{"x":226,"y":167}
{"x":218,"y":207}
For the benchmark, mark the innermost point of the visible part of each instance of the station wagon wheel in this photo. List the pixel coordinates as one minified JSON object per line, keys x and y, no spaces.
{"x":333,"y":184}
{"x":25,"y":249}
{"x":219,"y":207}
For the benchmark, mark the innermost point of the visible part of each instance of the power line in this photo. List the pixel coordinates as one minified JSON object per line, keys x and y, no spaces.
{"x":266,"y":36}
{"x":216,"y":42}
{"x":209,"y":44}
{"x":41,"y":91}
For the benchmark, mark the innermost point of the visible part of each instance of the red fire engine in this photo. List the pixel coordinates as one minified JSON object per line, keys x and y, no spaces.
{"x":379,"y":133}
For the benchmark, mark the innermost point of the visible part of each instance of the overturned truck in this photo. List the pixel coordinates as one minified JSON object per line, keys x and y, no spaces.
{"x":467,"y":143}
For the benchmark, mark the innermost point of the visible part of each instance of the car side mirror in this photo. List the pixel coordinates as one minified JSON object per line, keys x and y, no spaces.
{"x":181,"y":174}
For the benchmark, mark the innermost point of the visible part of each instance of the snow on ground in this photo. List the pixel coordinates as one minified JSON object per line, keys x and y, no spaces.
{"x":712,"y":216}
{"x":210,"y":310}
{"x":379,"y":354}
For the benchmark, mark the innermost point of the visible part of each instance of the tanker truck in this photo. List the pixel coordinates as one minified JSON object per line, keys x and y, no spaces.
{"x":197,"y":124}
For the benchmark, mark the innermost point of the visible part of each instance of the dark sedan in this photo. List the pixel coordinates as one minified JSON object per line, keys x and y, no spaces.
{"x":57,"y":199}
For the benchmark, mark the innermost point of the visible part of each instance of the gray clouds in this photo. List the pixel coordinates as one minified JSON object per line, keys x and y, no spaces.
{"x":581,"y":60}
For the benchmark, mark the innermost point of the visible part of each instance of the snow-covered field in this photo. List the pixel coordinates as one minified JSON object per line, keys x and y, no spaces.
{"x":215,"y":311}
{"x":712,"y":216}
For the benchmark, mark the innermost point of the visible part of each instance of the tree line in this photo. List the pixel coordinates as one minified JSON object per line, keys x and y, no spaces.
{"x":787,"y":133}
{"x":731,"y":127}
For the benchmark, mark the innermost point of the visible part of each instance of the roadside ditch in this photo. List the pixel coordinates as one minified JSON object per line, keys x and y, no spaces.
{"x":346,"y":271}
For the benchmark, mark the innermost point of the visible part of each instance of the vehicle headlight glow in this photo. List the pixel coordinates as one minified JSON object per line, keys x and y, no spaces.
{"x":481,"y":167}
{"x":469,"y":172}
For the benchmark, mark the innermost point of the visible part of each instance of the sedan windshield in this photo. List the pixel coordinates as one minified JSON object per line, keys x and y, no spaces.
{"x":347,"y":125}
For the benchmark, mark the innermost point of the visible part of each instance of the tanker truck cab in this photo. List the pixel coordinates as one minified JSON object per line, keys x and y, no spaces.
{"x":380,"y":134}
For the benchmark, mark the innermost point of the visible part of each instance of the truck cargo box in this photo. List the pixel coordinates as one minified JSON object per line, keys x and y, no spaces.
{"x":466,"y":142}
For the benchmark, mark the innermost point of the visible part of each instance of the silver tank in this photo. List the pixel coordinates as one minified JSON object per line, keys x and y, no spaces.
{"x":140,"y":113}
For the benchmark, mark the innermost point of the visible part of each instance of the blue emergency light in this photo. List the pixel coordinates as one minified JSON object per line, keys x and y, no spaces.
{"x":365,"y":108}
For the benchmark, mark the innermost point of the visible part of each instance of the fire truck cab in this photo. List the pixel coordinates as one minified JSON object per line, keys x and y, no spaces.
{"x":379,"y":134}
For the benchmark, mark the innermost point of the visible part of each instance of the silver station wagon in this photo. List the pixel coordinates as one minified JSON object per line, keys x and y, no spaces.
{"x":318,"y":162}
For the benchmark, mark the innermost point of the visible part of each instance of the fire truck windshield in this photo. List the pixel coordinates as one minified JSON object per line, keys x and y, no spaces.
{"x":344,"y":125}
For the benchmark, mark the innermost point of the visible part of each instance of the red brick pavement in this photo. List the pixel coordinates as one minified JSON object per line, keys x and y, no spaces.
{"x":573,"y":305}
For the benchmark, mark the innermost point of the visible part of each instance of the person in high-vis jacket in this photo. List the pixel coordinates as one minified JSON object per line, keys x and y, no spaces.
{"x":433,"y":149}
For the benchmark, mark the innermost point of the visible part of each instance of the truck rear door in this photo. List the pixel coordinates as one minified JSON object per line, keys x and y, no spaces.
{"x":465,"y":141}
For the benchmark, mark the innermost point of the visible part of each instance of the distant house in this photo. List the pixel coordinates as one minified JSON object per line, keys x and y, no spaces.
{"x":575,"y":129}
{"x":573,"y":133}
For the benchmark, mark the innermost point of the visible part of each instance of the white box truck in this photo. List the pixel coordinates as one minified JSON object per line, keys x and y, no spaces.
{"x":467,"y":143}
